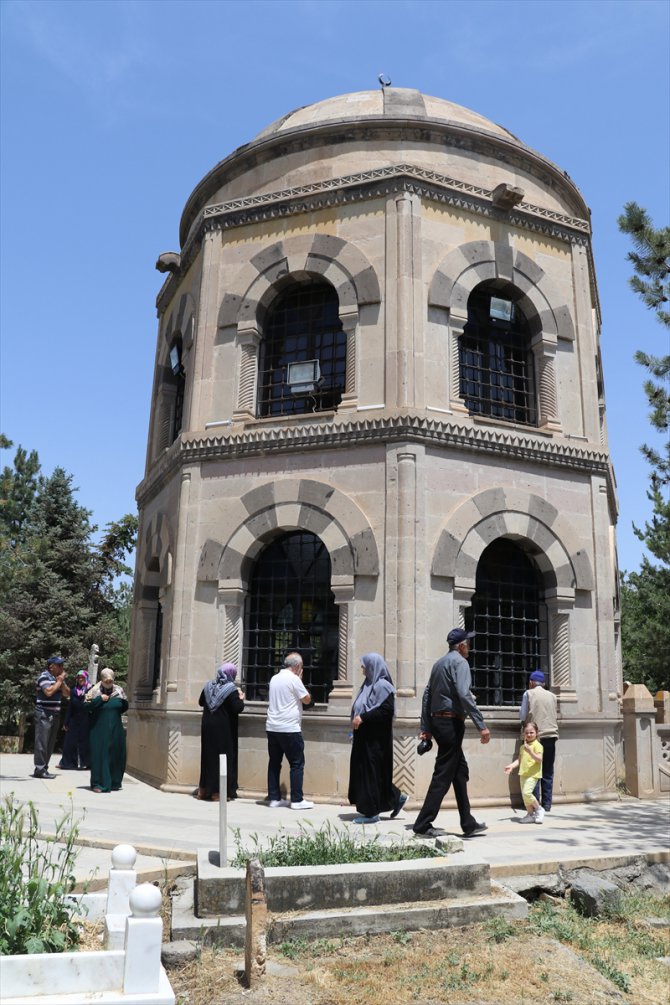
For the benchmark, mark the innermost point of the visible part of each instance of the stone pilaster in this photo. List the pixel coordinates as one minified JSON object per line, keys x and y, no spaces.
{"x":230,"y":627}
{"x":456,"y":325}
{"x":248,"y":341}
{"x":343,"y":686}
{"x":562,"y":679}
{"x":544,"y":349}
{"x":350,"y":321}
{"x":406,"y":578}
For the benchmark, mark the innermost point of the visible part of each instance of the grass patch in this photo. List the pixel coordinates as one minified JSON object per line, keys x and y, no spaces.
{"x":326,"y":845}
{"x":36,"y":877}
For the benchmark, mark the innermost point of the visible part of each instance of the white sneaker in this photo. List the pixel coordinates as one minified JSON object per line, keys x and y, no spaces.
{"x":539,"y":815}
{"x":274,"y":804}
{"x":304,"y":805}
{"x":528,"y":819}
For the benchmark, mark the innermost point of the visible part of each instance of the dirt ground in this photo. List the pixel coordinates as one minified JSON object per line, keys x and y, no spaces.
{"x":591,"y":962}
{"x":450,"y":967}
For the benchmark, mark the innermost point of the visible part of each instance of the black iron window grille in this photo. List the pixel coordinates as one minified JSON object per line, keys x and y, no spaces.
{"x":303,"y":326}
{"x":290,"y":607}
{"x":158,"y":642}
{"x":508,"y":614}
{"x":497,"y":373}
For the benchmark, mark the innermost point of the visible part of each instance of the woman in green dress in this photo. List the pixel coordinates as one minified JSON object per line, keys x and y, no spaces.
{"x":106,"y":703}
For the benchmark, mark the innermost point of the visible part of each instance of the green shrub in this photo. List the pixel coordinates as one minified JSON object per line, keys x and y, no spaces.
{"x":36,"y":877}
{"x":326,"y":846}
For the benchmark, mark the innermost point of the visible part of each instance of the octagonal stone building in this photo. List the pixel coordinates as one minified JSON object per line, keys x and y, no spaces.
{"x":377,"y":413}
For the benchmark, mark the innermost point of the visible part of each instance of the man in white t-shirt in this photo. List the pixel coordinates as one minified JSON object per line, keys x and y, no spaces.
{"x":288,"y":694}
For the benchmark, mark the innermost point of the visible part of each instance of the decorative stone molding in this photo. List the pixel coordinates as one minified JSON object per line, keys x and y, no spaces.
{"x":308,"y":434}
{"x":291,"y":504}
{"x":496,"y":513}
{"x":157,"y":547}
{"x":362,"y":187}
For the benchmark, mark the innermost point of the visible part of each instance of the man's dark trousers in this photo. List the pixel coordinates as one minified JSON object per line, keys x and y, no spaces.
{"x":451,"y":768}
{"x":293,"y":745}
{"x":544,"y":792}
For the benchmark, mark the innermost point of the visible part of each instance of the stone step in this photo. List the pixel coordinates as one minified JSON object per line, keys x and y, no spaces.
{"x":220,"y":892}
{"x":496,"y":902}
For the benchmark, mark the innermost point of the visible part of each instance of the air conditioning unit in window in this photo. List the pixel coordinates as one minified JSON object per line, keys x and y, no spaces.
{"x":303,"y":378}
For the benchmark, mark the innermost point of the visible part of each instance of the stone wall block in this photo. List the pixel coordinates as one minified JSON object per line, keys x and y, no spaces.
{"x":662,"y":706}
{"x":259,"y":498}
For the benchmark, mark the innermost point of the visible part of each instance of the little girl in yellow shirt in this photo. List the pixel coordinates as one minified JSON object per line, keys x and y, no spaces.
{"x":529,"y":763}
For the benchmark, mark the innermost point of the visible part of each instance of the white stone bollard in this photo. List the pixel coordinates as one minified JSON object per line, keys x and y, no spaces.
{"x":144,"y":933}
{"x":122,"y":880}
{"x":223,"y":810}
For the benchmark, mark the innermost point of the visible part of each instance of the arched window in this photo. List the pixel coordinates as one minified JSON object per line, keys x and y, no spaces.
{"x":303,"y":353}
{"x":509,"y":616}
{"x":291,"y":607}
{"x":497,"y":374}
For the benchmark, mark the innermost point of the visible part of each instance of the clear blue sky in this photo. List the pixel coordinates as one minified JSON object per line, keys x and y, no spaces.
{"x":113,"y":111}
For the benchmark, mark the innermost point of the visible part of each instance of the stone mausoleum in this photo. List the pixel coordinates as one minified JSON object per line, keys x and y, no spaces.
{"x":377,"y":413}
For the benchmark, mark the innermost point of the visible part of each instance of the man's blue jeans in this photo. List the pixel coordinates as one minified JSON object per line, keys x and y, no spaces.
{"x":293,"y":745}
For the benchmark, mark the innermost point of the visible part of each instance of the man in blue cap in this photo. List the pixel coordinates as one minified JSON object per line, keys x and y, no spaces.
{"x":540,"y":706}
{"x":51,"y":689}
{"x":447,"y":700}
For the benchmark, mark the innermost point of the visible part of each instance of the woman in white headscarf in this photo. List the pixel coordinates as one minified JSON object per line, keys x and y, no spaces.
{"x":221,"y":701}
{"x":371,"y":787}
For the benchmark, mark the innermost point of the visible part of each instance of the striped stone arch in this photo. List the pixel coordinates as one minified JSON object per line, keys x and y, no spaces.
{"x":483,"y":261}
{"x":157,"y":548}
{"x":519,"y":516}
{"x":181,"y":320}
{"x":284,"y":506}
{"x":316,"y":255}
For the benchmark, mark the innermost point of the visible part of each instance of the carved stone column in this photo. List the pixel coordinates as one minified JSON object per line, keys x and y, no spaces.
{"x":247,"y":340}
{"x":544,"y":349}
{"x":350,"y":320}
{"x":456,"y":325}
{"x":343,"y":685}
{"x":230,"y":634}
{"x":462,"y":597}
{"x":562,"y":683}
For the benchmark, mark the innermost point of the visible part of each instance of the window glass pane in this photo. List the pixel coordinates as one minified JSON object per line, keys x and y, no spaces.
{"x":291,"y":606}
{"x":509,"y":616}
{"x":303,"y":324}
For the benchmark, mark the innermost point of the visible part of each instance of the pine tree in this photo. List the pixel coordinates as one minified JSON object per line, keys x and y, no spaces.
{"x":58,"y":589}
{"x":645,"y":595}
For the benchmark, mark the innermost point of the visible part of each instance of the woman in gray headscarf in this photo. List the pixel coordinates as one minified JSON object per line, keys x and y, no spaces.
{"x":371,"y":787}
{"x":221,"y":702}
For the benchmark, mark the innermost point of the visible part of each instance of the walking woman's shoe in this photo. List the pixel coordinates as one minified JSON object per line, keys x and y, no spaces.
{"x":366,"y":820}
{"x":402,"y":799}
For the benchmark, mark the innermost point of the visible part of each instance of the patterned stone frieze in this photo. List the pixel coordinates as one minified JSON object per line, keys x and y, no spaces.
{"x":511,"y":443}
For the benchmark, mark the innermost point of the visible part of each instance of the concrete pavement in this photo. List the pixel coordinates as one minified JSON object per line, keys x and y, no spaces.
{"x":167,"y":828}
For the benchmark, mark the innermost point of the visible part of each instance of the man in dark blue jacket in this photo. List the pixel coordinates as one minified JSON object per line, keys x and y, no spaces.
{"x":447,"y":700}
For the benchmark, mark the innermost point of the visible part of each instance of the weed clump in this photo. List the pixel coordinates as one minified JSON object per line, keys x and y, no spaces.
{"x":326,"y":845}
{"x":36,"y":878}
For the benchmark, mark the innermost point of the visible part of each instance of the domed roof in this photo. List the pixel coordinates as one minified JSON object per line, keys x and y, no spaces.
{"x":391,"y":102}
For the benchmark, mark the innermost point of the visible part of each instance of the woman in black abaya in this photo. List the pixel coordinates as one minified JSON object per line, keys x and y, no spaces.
{"x":371,"y":787}
{"x":221,"y":702}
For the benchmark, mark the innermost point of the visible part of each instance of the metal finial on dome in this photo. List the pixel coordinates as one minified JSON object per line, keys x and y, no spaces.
{"x":384,"y":80}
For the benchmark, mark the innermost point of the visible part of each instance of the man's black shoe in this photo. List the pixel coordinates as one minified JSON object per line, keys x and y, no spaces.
{"x":43,"y":774}
{"x":430,"y":833}
{"x":477,"y":829}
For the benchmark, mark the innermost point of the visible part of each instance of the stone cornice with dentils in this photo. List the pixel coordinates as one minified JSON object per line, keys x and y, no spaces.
{"x":364,"y":186}
{"x":192,"y":448}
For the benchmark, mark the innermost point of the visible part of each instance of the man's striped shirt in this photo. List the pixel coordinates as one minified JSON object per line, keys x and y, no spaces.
{"x":52,"y":704}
